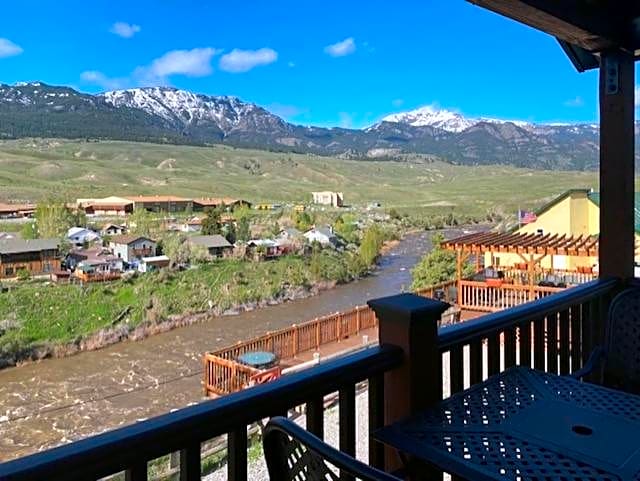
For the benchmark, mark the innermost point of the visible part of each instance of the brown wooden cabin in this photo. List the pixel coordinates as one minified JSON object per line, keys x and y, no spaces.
{"x":37,"y":256}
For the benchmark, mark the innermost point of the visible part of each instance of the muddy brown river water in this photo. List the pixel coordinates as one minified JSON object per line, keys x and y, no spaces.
{"x":60,"y":400}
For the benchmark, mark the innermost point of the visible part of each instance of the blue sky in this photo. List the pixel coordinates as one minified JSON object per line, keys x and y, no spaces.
{"x":313,"y":62}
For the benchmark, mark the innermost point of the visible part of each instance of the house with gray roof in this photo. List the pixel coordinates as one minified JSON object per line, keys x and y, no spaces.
{"x":323,"y":235}
{"x":216,"y":244}
{"x":35,"y":256}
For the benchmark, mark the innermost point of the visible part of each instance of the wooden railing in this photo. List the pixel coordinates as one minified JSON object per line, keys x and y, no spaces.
{"x":289,"y":342}
{"x":478,"y":296}
{"x":447,"y":288}
{"x":130,"y":449}
{"x":555,"y":334}
{"x":97,"y":277}
{"x":222,"y":374}
{"x":569,"y":277}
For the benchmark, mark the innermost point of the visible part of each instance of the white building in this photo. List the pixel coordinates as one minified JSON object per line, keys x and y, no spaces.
{"x":79,"y":236}
{"x":132,"y":248}
{"x":323,"y":235}
{"x":336,"y":199}
{"x":192,"y":225}
{"x":148,"y":264}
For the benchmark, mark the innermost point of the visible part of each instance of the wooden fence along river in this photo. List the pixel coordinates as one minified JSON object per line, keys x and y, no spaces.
{"x":223,"y":374}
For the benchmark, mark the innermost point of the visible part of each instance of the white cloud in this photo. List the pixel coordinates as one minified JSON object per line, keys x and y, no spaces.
{"x":637,"y":94}
{"x":8,"y":48}
{"x":238,"y":60}
{"x":192,"y":63}
{"x":98,"y":78}
{"x":575,"y":102}
{"x":340,"y":49}
{"x":124,"y":29}
{"x":397,"y":102}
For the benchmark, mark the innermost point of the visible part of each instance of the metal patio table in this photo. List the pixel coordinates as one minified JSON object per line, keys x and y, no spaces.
{"x":525,"y":424}
{"x":258,"y":359}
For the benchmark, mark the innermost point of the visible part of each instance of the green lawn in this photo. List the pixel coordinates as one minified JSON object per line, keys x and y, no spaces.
{"x":31,"y":169}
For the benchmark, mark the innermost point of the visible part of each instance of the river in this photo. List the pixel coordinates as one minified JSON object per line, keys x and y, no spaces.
{"x":60,"y":400}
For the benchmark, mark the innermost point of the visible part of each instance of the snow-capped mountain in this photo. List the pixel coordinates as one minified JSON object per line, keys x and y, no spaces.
{"x":432,"y":117}
{"x":169,"y":115}
{"x":186,"y":109}
{"x":445,"y":119}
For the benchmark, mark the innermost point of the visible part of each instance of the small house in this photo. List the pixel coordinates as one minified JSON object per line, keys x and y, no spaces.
{"x":323,"y":235}
{"x":96,"y":270}
{"x":36,"y":256}
{"x":149,"y":264}
{"x":113,"y":229}
{"x":258,"y":249}
{"x":132,"y":248}
{"x":229,"y":203}
{"x":216,"y":244}
{"x":11,"y":211}
{"x":192,"y":225}
{"x":79,"y":236}
{"x":290,"y":234}
{"x":107,"y":206}
{"x":98,"y":256}
{"x":335,"y":199}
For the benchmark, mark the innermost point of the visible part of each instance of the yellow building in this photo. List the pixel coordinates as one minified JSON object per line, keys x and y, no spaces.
{"x":574,"y":213}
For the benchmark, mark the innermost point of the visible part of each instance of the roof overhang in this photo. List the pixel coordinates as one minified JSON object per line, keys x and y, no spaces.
{"x":584,"y":28}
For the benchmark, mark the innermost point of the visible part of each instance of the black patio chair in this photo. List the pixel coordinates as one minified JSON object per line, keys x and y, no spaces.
{"x":294,"y":454}
{"x":618,"y":360}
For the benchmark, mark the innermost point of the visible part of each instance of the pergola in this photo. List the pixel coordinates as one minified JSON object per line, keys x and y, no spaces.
{"x":531,"y":248}
{"x":522,"y":244}
{"x":602,"y":34}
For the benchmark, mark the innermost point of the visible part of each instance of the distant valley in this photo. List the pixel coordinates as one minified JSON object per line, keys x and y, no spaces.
{"x":168,"y":115}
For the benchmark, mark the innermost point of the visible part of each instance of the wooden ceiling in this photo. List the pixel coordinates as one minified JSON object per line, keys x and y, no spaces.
{"x":584,"y":26}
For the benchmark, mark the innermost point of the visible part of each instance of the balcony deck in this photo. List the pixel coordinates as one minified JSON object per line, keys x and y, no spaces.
{"x":555,"y":334}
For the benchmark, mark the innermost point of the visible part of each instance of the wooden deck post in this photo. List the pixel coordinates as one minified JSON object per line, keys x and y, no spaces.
{"x":295,"y":340}
{"x":617,"y":232}
{"x":458,"y":274}
{"x":530,"y":268}
{"x":411,"y":322}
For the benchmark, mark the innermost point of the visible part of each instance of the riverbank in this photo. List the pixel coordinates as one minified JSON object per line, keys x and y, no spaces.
{"x":44,"y":404}
{"x":43,"y":320}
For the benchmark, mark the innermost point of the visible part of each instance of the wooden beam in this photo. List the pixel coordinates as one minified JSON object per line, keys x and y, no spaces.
{"x":589,"y":25}
{"x":617,"y":203}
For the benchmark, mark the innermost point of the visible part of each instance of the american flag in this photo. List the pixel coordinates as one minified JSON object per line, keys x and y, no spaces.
{"x":525,"y":217}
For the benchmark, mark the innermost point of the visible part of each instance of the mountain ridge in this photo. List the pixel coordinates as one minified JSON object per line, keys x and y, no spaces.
{"x":171,"y":115}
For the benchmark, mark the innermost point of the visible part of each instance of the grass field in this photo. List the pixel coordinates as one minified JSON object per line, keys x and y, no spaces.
{"x":31,"y":169}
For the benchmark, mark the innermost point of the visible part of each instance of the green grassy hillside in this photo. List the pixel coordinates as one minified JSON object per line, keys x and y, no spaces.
{"x":31,"y":169}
